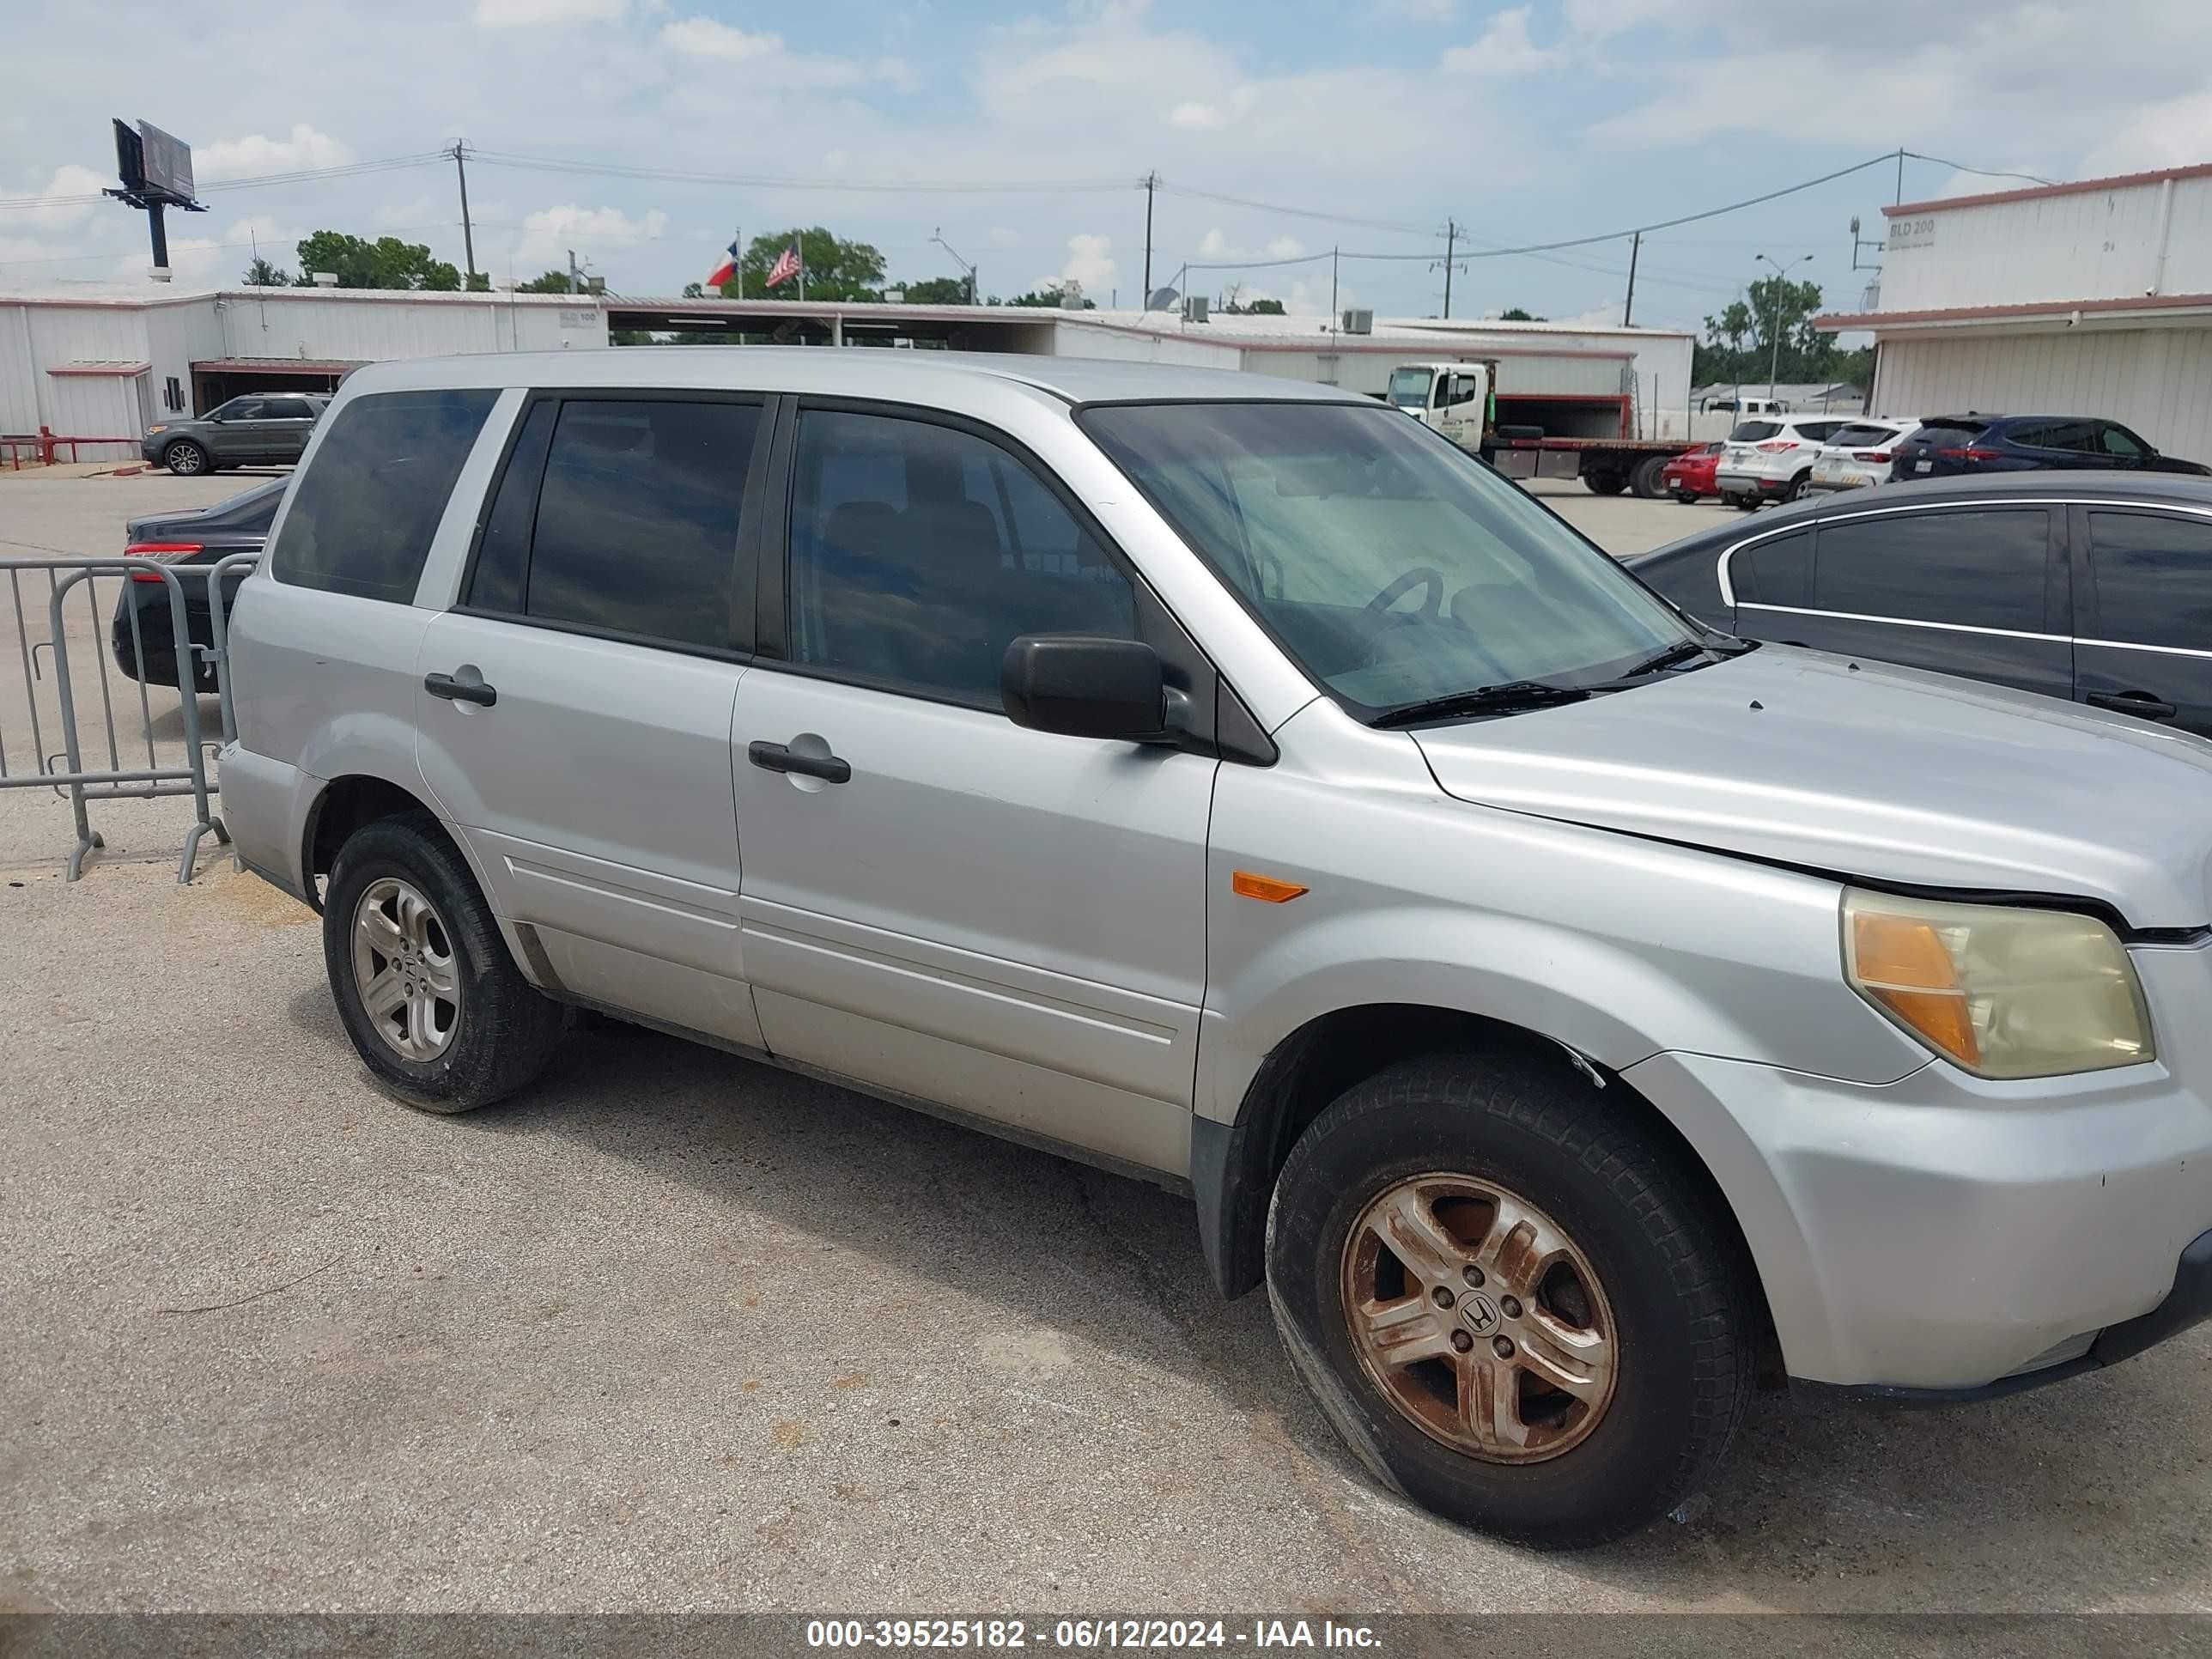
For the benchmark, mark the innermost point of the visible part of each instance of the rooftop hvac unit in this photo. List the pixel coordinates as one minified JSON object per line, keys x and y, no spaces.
{"x":1358,"y":322}
{"x":1193,"y":308}
{"x":324,"y":278}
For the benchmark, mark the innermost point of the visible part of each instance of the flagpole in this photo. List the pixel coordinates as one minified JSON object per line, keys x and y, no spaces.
{"x":798,"y":242}
{"x":739,"y":241}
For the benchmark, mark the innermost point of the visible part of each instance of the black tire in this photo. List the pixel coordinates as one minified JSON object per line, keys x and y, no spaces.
{"x":503,"y":1032}
{"x":1687,"y":497}
{"x":1743,"y":503}
{"x":186,"y":458}
{"x":1799,"y":487}
{"x":1647,"y":480}
{"x":1682,"y":1310}
{"x":1605,"y":484}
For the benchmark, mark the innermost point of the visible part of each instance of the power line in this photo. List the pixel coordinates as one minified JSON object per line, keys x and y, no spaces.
{"x":669,"y":175}
{"x":1299,"y":213}
{"x":301,"y":175}
{"x":1986,"y":172}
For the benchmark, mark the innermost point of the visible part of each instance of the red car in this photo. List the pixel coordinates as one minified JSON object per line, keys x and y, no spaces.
{"x":1690,"y":474}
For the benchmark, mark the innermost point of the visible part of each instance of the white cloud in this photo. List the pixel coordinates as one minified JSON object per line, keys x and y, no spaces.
{"x":1090,"y":263}
{"x":1601,"y":18}
{"x":1195,"y":117}
{"x":418,"y":211}
{"x":1418,"y":11}
{"x":2175,"y":133}
{"x":1212,"y":245}
{"x":1285,"y":248}
{"x":1005,"y":236}
{"x":601,"y":233}
{"x":534,"y":14}
{"x":257,"y":154}
{"x":770,"y":65}
{"x":1503,"y":48}
{"x":68,"y":179}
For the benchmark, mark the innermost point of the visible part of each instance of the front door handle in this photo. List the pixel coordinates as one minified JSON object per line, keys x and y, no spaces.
{"x":779,"y":757}
{"x":454,"y":690}
{"x":2133,"y":702}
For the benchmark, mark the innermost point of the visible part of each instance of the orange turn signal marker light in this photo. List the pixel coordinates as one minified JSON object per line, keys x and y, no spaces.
{"x":1265,"y":889}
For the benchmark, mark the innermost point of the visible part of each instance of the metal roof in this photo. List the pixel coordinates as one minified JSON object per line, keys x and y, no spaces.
{"x":2030,"y":310}
{"x":2075,"y":188}
{"x":279,"y":365}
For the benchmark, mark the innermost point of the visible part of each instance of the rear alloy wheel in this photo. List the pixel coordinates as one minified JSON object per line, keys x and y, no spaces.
{"x":1799,"y":487}
{"x":1518,"y":1300}
{"x":184,"y":457}
{"x":424,"y":986}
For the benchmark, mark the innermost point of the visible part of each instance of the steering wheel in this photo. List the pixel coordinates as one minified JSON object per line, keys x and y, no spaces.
{"x":1420,"y":575}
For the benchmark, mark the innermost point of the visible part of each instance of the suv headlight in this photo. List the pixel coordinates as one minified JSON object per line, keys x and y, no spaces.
{"x":2002,"y":991}
{"x":151,"y":430}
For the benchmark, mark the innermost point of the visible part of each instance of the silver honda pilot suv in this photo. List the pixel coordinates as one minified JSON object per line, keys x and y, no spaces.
{"x":1571,"y":1015}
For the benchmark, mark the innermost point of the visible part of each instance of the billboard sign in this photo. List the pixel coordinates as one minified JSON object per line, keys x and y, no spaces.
{"x":153,"y":164}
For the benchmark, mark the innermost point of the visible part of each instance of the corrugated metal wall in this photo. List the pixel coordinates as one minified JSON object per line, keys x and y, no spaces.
{"x":2083,"y":245}
{"x":100,"y":406}
{"x":2158,"y":381}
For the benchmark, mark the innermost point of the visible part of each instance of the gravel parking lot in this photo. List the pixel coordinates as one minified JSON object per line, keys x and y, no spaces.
{"x":675,"y":1330}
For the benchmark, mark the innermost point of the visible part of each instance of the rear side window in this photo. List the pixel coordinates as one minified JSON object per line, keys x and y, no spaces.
{"x":1750,"y":432}
{"x":1777,"y":572}
{"x":363,"y":517}
{"x":2152,"y":577}
{"x":1980,"y":569}
{"x":635,"y":524}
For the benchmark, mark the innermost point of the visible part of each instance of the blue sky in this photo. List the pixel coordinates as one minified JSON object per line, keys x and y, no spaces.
{"x":1523,"y":122}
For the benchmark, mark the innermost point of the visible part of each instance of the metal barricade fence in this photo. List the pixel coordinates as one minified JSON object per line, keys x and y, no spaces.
{"x":183,"y":770}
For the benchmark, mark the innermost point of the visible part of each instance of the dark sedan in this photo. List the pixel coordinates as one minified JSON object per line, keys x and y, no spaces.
{"x":240,"y":525}
{"x":2094,"y":587}
{"x":1959,"y":446}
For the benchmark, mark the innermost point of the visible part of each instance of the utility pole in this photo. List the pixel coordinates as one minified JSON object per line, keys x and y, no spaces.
{"x":1335,"y":315}
{"x":1451,"y":236}
{"x":1628,"y":306}
{"x":1151,"y":181}
{"x":468,"y":232}
{"x":571,"y":270}
{"x":1900,"y":201}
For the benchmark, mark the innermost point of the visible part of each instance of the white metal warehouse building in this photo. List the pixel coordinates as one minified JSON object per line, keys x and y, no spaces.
{"x":2084,"y":299}
{"x":102,"y":362}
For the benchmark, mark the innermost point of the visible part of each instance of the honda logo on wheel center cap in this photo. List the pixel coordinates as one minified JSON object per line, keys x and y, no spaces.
{"x":1480,"y":1314}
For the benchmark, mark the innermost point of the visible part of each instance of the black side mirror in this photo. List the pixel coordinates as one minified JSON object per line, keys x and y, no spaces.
{"x":1083,"y":686}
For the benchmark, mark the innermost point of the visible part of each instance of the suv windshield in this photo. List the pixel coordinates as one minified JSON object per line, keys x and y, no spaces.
{"x":1394,"y":567}
{"x":1409,"y":388}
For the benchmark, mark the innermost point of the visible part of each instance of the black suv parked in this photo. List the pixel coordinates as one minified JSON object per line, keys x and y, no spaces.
{"x":1951,"y":445}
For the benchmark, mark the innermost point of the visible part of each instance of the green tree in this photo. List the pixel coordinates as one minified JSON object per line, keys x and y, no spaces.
{"x":262,"y":274}
{"x":1740,"y":343}
{"x":1257,"y":308}
{"x":935,"y":291}
{"x":835,"y":269}
{"x":1515,"y":314}
{"x":480,"y":282}
{"x":553,"y":282}
{"x":385,"y":262}
{"x":1050,"y":295}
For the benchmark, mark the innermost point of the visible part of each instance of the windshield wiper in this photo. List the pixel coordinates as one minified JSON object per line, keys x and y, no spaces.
{"x":1482,"y":700}
{"x":1669,"y":658}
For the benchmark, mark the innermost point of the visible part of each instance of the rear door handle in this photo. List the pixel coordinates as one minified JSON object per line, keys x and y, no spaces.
{"x":2133,"y":702}
{"x":779,"y":757}
{"x":454,"y":690}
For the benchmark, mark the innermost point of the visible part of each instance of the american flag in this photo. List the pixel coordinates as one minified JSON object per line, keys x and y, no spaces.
{"x":787,"y":264}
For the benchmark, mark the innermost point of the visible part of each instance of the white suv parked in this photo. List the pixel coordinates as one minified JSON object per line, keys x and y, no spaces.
{"x":1859,"y":454}
{"x":1569,"y":1011}
{"x":1769,"y":457}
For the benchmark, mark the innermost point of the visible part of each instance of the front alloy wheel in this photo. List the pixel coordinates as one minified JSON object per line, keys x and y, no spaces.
{"x":1478,"y":1318}
{"x":184,"y":457}
{"x":404,"y":969}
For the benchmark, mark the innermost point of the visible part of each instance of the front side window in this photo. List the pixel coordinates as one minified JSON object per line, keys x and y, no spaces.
{"x":362,"y":520}
{"x":636,"y":526}
{"x":920,"y":552}
{"x":2153,"y":576}
{"x":1984,"y":568}
{"x":1391,"y":566}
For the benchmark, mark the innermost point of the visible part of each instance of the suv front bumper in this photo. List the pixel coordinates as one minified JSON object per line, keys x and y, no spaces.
{"x":1947,"y":1233}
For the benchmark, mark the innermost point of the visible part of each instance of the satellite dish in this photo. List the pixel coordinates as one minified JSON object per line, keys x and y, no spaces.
{"x":1162,"y":298}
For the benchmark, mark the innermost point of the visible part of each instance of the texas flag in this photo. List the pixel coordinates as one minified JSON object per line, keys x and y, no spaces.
{"x":727,"y":269}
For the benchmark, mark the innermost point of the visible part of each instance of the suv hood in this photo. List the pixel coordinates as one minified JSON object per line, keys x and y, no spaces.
{"x":1864,"y":771}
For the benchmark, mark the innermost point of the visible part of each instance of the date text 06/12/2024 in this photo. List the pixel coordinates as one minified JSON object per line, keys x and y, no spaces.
{"x":1005,"y":1634}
